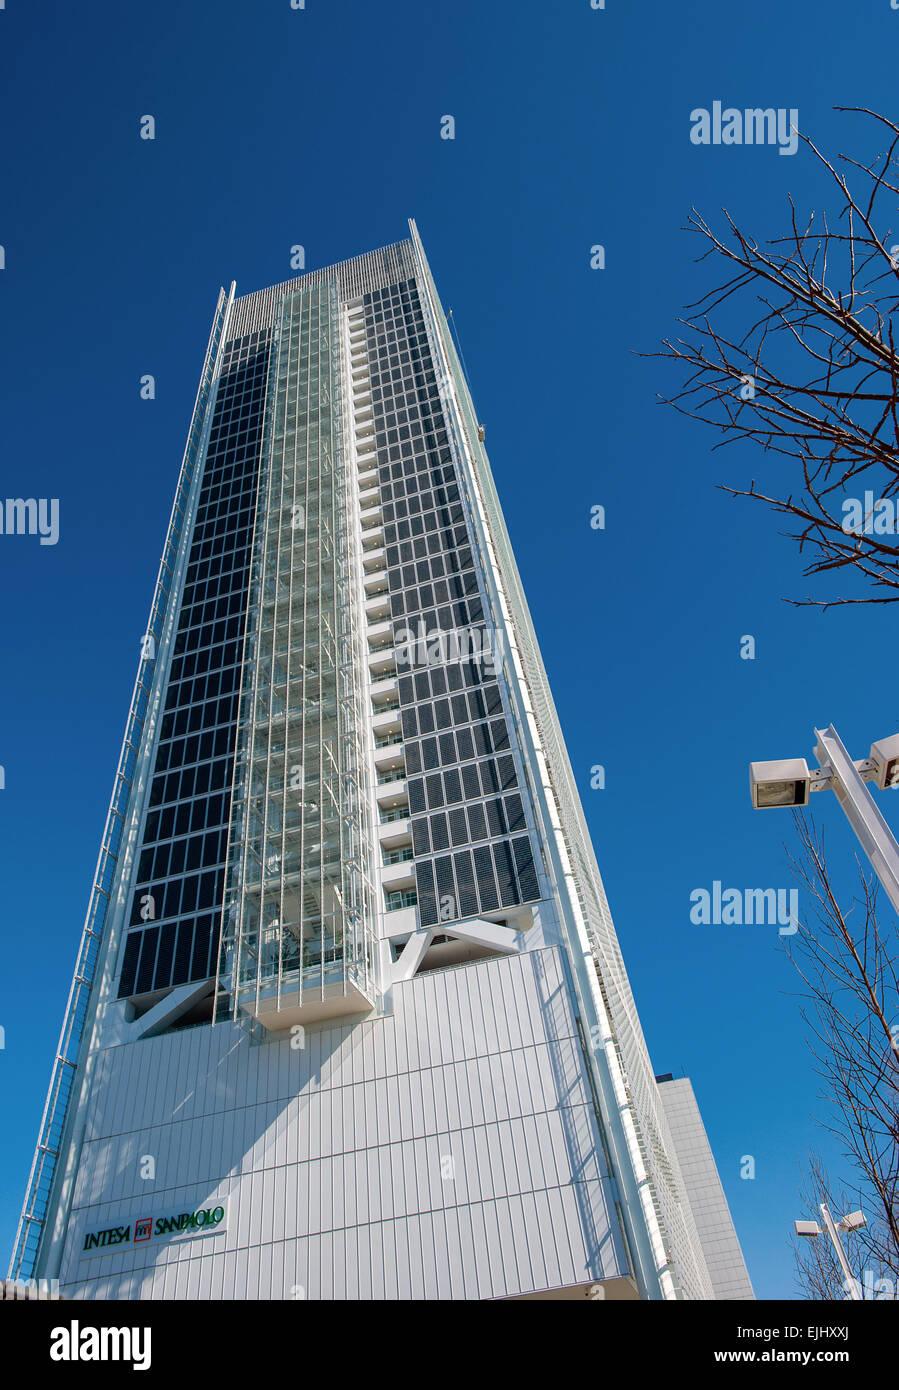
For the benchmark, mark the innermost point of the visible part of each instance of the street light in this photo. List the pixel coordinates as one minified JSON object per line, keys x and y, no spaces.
{"x":789,"y":781}
{"x":781,"y":783}
{"x":853,"y":1222}
{"x":885,"y":757}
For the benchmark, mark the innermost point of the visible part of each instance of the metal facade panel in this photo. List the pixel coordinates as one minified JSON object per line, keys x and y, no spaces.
{"x":429,"y":1183}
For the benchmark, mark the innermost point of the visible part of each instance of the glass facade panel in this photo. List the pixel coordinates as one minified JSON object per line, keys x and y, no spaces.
{"x":446,"y":653}
{"x":300,"y":895}
{"x":181,"y":865}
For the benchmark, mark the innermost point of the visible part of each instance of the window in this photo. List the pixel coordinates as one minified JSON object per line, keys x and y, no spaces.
{"x":398,"y":856}
{"x":397,"y":900}
{"x":199,"y":725}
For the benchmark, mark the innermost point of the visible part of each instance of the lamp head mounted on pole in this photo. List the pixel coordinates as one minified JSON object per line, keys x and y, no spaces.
{"x":784,"y":782}
{"x":885,"y":757}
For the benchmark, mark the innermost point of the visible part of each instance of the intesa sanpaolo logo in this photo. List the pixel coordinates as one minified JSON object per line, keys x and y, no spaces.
{"x":147,"y":1228}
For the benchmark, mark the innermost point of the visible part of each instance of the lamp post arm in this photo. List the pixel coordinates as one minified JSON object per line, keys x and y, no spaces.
{"x":862,"y":812}
{"x":851,"y":1281}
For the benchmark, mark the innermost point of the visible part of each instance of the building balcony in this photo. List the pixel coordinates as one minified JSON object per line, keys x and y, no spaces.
{"x":398,"y":877}
{"x":310,"y":997}
{"x":389,"y":755}
{"x":390,"y":775}
{"x":386,"y":722}
{"x":392,"y":795}
{"x":401,"y":922}
{"x":384,"y":695}
{"x":378,"y":630}
{"x":376,"y":584}
{"x":403,"y":854}
{"x":374,"y":559}
{"x":395,"y":831}
{"x":400,"y":899}
{"x":382,"y":665}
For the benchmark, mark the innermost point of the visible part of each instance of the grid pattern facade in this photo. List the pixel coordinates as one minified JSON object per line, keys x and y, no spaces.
{"x":300,"y":896}
{"x":472,"y":850}
{"x":178,"y":893}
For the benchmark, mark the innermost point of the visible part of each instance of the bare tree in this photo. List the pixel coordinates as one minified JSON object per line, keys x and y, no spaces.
{"x":795,"y":350}
{"x":848,"y":968}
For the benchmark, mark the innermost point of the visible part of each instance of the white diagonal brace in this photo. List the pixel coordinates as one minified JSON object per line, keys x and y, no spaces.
{"x":490,"y":934}
{"x":412,"y":955}
{"x":175,"y":1003}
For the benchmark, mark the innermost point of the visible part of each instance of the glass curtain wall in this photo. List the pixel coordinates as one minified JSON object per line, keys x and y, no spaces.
{"x":300,"y":900}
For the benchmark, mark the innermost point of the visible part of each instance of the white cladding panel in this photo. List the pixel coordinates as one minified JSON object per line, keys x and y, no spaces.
{"x":448,"y":1150}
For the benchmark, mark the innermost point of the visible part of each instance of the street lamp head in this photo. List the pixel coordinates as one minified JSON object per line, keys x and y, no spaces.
{"x":885,"y":757}
{"x":784,"y":782}
{"x":807,"y":1228}
{"x":854,"y":1221}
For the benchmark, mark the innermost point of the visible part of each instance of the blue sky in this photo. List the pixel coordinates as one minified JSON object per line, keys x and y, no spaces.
{"x":322,"y":127}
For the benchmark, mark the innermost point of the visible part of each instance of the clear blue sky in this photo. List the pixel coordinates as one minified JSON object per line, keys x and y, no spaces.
{"x":322,"y":127}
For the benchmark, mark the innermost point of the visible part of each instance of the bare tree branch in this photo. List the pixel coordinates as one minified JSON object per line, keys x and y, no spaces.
{"x":848,"y":967}
{"x":795,"y":351}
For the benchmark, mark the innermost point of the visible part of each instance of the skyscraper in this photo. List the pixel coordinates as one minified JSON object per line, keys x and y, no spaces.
{"x":718,"y":1238}
{"x":349,"y":1018}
